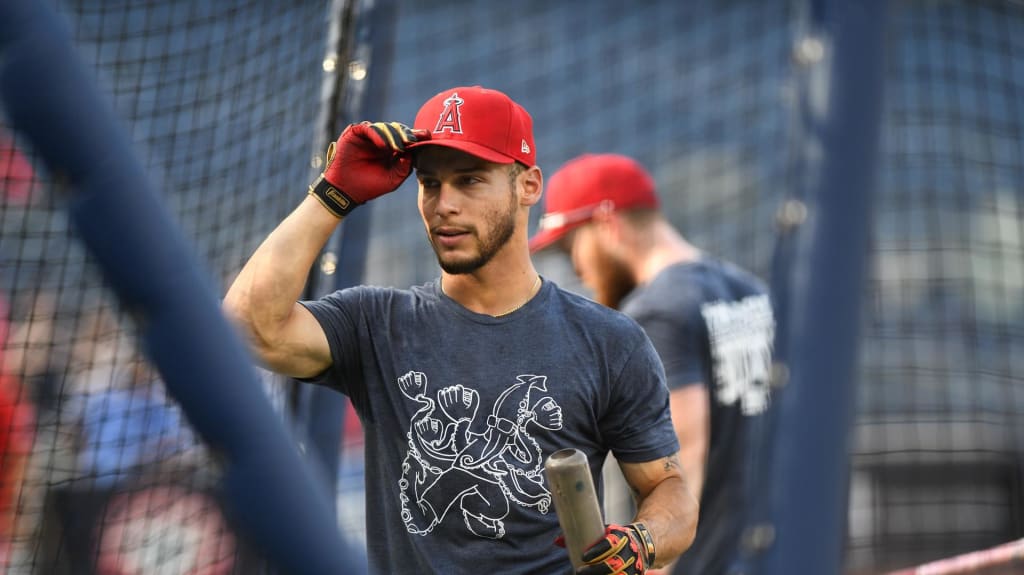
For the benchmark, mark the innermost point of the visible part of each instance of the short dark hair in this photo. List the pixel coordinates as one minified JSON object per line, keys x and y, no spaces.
{"x":513,"y":172}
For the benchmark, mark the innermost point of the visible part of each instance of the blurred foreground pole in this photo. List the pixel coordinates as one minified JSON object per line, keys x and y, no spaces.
{"x":823,"y":264}
{"x":53,"y":100}
{"x":355,"y":89}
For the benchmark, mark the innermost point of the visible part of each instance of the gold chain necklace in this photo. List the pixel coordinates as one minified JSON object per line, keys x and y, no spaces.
{"x":533,"y":292}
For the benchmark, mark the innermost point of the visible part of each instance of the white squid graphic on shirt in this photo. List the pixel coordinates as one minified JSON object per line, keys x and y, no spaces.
{"x":449,"y":466}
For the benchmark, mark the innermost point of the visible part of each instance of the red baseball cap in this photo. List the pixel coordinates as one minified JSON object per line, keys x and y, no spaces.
{"x":482,"y":122}
{"x":576,"y":190}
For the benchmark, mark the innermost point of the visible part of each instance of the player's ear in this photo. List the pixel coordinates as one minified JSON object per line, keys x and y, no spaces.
{"x":531,"y":185}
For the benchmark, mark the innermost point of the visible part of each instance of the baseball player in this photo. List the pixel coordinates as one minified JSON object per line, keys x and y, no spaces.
{"x":466,"y":384}
{"x":710,"y":321}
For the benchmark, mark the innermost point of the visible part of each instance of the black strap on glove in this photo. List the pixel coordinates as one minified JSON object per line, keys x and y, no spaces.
{"x":625,"y":550}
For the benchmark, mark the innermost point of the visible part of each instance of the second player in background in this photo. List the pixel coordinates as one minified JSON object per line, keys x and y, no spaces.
{"x":711,"y":323}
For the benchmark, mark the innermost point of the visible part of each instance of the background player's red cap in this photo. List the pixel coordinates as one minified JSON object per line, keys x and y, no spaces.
{"x":576,"y":190}
{"x":478,"y":121}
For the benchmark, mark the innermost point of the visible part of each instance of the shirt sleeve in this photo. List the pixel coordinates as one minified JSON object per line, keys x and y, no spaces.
{"x":339,"y":317}
{"x":638,"y":423}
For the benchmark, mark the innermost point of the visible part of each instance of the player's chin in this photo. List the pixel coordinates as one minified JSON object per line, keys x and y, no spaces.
{"x":457,"y":263}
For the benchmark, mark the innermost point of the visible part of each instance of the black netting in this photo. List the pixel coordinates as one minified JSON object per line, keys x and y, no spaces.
{"x":699,"y":92}
{"x":220,"y":99}
{"x":938,"y":465}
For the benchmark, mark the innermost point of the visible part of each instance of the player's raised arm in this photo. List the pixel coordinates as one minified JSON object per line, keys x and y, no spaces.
{"x":367,"y":161}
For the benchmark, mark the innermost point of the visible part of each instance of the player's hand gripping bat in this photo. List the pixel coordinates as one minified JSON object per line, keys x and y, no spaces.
{"x":594,"y":548}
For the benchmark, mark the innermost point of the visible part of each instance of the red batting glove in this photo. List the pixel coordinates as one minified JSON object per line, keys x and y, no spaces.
{"x":367,"y":161}
{"x":625,"y":550}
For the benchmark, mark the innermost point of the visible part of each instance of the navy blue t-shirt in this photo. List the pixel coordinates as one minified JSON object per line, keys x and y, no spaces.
{"x":460,"y":410}
{"x":712,"y":325}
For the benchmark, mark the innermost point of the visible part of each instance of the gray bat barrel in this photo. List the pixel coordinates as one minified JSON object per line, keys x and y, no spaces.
{"x":579,"y":512}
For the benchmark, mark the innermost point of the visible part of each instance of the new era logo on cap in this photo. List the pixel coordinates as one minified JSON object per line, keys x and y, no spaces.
{"x":485,"y":123}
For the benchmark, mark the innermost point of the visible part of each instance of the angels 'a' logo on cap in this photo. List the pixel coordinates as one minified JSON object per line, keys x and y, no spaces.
{"x":450,"y":119}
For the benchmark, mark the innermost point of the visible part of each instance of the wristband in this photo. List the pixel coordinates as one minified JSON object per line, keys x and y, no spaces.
{"x":333,"y":199}
{"x":647,"y":540}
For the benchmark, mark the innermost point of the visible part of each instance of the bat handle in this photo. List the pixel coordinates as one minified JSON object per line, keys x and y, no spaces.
{"x":579,"y":512}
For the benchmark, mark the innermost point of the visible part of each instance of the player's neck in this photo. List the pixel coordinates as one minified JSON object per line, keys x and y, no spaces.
{"x":493,"y":290}
{"x":666,"y":247}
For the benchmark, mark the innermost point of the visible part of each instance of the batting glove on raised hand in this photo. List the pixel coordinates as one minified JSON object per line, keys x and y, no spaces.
{"x":368,"y":161}
{"x":625,"y":550}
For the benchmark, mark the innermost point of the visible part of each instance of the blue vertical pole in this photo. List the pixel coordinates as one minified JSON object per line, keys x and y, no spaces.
{"x":319,"y":413}
{"x":362,"y":96}
{"x":825,"y":283}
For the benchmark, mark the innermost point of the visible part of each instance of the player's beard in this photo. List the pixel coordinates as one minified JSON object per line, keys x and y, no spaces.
{"x":614,"y":284}
{"x":501,"y":226}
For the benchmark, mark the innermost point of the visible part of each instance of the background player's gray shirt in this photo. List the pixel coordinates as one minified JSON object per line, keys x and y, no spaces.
{"x":460,"y":410}
{"x":712,"y":325}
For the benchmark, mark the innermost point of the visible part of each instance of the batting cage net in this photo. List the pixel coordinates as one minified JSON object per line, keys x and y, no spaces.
{"x":101,"y":471}
{"x":938,"y":461}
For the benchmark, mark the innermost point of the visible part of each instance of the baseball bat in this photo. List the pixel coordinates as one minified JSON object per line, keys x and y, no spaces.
{"x":579,"y":512}
{"x":1006,"y":555}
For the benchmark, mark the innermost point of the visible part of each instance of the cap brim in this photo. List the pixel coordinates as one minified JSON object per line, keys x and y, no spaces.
{"x":546,"y":238}
{"x":482,"y":152}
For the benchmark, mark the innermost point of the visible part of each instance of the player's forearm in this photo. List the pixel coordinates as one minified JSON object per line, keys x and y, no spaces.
{"x":670,"y":513}
{"x":263,"y":296}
